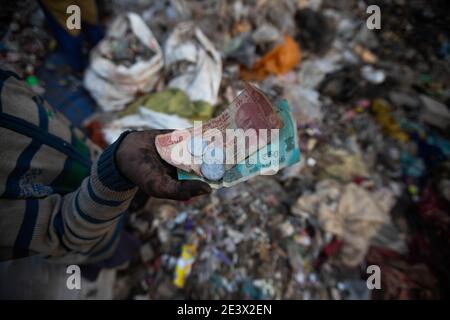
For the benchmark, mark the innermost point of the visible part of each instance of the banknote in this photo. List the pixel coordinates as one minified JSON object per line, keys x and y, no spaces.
{"x":250,"y":113}
{"x":276,"y":155}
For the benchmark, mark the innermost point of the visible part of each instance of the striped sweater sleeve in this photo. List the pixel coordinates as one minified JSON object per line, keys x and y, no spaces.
{"x":81,"y":226}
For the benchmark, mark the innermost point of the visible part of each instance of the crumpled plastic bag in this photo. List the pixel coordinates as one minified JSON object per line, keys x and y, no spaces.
{"x":243,"y":47}
{"x":113,"y":85}
{"x":349,"y":212}
{"x":172,"y":101}
{"x":305,"y":103}
{"x":342,"y":165}
{"x":279,"y":60}
{"x":313,"y":71}
{"x":435,"y":113}
{"x":143,"y":119}
{"x":193,"y":64}
{"x":167,"y":109}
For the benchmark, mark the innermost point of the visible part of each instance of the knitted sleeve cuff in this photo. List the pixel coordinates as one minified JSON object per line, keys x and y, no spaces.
{"x":107,"y":171}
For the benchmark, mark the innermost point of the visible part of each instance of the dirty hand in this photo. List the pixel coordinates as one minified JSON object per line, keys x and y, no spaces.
{"x":139,"y":161}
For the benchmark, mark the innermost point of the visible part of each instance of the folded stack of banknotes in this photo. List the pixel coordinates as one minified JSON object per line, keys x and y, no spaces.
{"x":251,"y":137}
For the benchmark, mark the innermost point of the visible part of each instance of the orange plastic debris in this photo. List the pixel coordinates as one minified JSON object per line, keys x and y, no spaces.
{"x":279,"y":60}
{"x":95,"y":132}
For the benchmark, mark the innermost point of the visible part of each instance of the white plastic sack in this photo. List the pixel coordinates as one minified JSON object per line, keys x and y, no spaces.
{"x":144,"y":119}
{"x":113,"y":85}
{"x":201,"y":77}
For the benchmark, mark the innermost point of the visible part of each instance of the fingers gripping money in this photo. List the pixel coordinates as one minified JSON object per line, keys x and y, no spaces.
{"x":209,"y":150}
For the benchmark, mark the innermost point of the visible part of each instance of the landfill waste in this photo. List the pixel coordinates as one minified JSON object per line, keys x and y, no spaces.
{"x":435,"y":113}
{"x":279,"y":60}
{"x":384,"y":117}
{"x":126,"y":62}
{"x":350,"y":213}
{"x":242,"y":49}
{"x":365,"y":55}
{"x":315,"y":31}
{"x":245,"y":46}
{"x":192,"y":63}
{"x":342,"y":165}
{"x":370,"y":110}
{"x":403,"y":279}
{"x":305,"y":103}
{"x":26,"y":42}
{"x":314,"y":71}
{"x":142,"y":119}
{"x":126,"y":49}
{"x":373,"y":75}
{"x":361,"y":120}
{"x":33,"y":82}
{"x":184,"y":264}
{"x":172,"y":101}
{"x":94,"y":129}
{"x":166,"y":109}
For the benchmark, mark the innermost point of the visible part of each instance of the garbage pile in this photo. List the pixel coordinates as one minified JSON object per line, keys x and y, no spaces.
{"x":127,"y":50}
{"x":125,"y":63}
{"x":372,"y":112}
{"x":26,"y":43}
{"x":372,"y":186}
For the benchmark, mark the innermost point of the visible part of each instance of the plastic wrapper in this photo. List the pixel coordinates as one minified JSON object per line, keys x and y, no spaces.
{"x":184,"y":264}
{"x":279,"y":60}
{"x":192,"y":63}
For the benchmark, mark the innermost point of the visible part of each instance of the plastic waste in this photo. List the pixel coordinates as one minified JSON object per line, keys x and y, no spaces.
{"x":113,"y":84}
